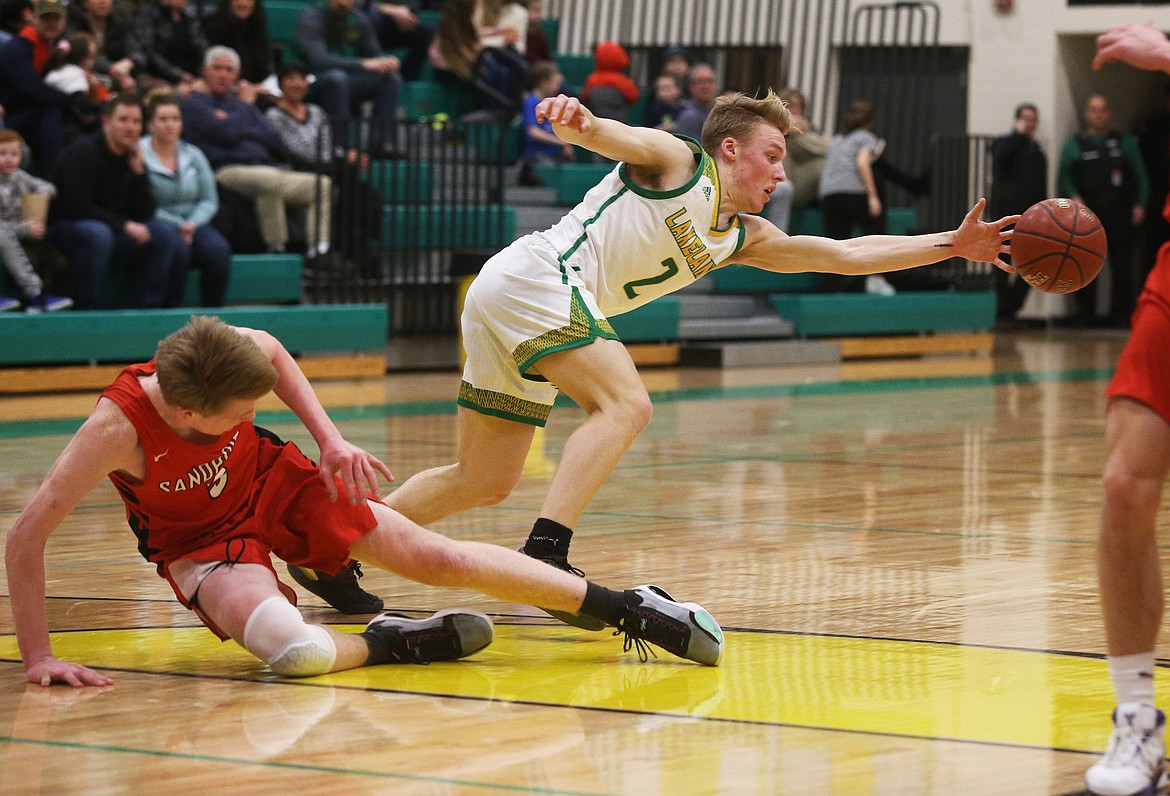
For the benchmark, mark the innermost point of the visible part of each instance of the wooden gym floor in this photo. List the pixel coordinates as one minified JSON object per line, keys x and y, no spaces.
{"x":902,"y":553}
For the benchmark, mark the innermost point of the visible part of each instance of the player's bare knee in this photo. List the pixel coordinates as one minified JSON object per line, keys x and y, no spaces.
{"x":277,"y":634}
{"x":490,"y":486}
{"x":635,"y":412}
{"x":450,"y":565}
{"x":1127,"y":493}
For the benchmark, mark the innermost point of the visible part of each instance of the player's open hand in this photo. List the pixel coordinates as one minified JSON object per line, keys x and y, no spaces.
{"x":357,"y":468}
{"x":566,"y":114}
{"x":1137,"y":44}
{"x":984,"y":241}
{"x":51,"y":670}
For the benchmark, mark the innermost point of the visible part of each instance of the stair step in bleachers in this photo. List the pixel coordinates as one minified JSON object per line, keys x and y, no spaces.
{"x":755,"y":327}
{"x":651,"y":332}
{"x":700,"y":306}
{"x":257,"y":279}
{"x":532,"y":196}
{"x":536,"y":219}
{"x":132,"y":335}
{"x":759,"y":353}
{"x":848,"y":314}
{"x":572,"y":181}
{"x":655,"y":322}
{"x":744,"y":279}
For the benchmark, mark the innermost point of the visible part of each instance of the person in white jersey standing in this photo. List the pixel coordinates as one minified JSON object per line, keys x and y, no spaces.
{"x":535,"y":319}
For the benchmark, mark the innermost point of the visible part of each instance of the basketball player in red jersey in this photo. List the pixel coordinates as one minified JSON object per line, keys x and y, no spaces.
{"x":1137,"y":427}
{"x":210,"y":497}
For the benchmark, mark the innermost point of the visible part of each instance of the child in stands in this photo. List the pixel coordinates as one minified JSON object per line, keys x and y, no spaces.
{"x":540,"y":143}
{"x":17,"y":231}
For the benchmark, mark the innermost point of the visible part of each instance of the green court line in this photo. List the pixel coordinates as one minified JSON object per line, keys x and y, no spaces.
{"x":64,"y":426}
{"x":357,"y":772}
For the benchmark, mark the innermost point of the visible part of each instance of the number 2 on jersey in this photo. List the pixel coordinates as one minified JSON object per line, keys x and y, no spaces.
{"x":631,"y":288}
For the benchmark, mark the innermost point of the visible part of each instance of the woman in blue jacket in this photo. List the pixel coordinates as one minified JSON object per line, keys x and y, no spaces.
{"x":185,"y":191}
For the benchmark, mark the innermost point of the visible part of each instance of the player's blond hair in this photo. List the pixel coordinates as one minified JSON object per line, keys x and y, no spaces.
{"x":207,"y":363}
{"x":737,"y":115}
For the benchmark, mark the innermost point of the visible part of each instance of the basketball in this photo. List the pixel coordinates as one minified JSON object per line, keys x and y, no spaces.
{"x":1058,"y":246}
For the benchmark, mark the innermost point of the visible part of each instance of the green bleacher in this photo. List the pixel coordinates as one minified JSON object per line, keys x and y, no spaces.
{"x":61,"y":338}
{"x":257,"y":279}
{"x":454,"y":226}
{"x":859,"y":314}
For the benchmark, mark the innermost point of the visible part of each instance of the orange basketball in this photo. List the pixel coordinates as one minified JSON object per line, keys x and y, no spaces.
{"x":1058,"y":246}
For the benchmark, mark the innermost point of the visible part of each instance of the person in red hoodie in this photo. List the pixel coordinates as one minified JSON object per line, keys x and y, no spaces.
{"x":608,"y":90}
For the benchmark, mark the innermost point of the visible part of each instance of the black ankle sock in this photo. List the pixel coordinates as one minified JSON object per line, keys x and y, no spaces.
{"x":605,"y":604}
{"x":548,"y":538}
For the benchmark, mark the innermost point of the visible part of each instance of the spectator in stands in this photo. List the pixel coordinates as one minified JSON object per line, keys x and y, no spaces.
{"x":677,"y":64}
{"x":172,"y":38}
{"x":396,"y":25}
{"x":306,"y":133}
{"x":455,"y":45}
{"x":119,"y":53}
{"x":248,"y":155}
{"x":184,"y":190}
{"x":17,"y":231}
{"x":104,"y":213}
{"x":1103,"y":167}
{"x":848,"y":193}
{"x":668,"y":103}
{"x":243,"y":26}
{"x":704,"y":88}
{"x":806,"y":152}
{"x":537,"y":47}
{"x":70,"y":69}
{"x":1019,"y":179}
{"x":501,"y":24}
{"x":491,"y":75}
{"x":341,"y":48}
{"x":608,"y":91}
{"x":303,"y":126}
{"x":541,"y":144}
{"x":32,"y":107}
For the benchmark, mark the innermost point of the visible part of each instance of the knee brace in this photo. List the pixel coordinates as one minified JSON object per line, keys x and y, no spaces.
{"x":277,"y":634}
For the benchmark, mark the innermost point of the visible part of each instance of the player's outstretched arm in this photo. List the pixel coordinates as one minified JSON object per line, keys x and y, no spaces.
{"x":652,"y":149}
{"x":105,"y":442}
{"x":1137,"y":44}
{"x":358,"y":468}
{"x":976,"y":240}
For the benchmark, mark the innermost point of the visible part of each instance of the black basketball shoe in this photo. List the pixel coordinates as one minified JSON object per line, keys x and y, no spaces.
{"x":445,"y":636}
{"x":341,"y":590}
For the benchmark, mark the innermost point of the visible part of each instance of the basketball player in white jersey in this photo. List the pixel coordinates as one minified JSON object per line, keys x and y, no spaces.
{"x":535,"y":318}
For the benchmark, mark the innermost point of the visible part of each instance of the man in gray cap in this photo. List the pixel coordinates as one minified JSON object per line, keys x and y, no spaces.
{"x":33,"y":108}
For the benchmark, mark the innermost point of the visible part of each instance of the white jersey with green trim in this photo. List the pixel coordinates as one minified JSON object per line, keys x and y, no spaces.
{"x":629,"y":245}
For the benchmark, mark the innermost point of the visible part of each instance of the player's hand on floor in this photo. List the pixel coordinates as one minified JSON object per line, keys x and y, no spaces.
{"x":357,"y":468}
{"x":47,"y":671}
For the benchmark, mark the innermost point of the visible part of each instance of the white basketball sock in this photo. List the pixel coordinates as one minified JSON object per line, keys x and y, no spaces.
{"x":1133,"y":677}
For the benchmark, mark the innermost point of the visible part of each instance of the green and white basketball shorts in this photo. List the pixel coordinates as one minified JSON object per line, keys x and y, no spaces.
{"x":523,"y":306}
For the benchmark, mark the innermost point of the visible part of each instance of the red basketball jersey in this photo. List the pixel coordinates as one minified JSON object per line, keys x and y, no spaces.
{"x":194,"y":494}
